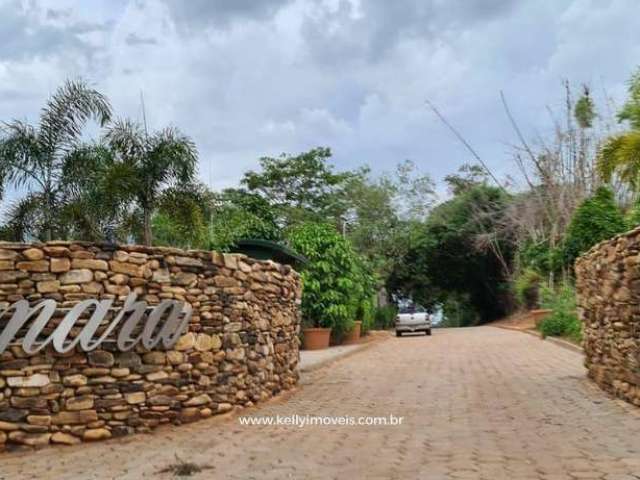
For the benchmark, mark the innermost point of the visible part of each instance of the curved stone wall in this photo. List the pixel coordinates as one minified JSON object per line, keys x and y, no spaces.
{"x":608,"y":289}
{"x":240,"y":345}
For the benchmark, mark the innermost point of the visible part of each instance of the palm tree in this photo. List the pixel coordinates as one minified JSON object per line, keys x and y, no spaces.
{"x":620,"y":155}
{"x":150,"y":163}
{"x":99,"y":201}
{"x":36,"y":158}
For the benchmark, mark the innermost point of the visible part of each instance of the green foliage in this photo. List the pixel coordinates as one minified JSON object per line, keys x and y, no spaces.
{"x":180,"y":218}
{"x":540,"y":257}
{"x":249,"y":202}
{"x":468,"y":176}
{"x":632,"y":217}
{"x":459,"y":311}
{"x":151,"y":163}
{"x":597,"y":219}
{"x":301,"y":187}
{"x":230,"y":224}
{"x":460,"y":249}
{"x":36,"y":158}
{"x":584,"y":111}
{"x":631,"y":110}
{"x":238,"y":214}
{"x":620,"y":154}
{"x":563,"y":321}
{"x":384,"y":317}
{"x":526,"y":288}
{"x":335,"y":281}
{"x":383,"y":211}
{"x":366,"y":314}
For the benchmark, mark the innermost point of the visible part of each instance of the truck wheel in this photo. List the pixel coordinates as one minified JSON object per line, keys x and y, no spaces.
{"x":398,"y":334}
{"x":428,"y":332}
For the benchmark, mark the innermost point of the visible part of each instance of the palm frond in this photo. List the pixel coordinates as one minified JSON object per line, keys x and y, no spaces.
{"x":66,"y":113}
{"x":620,"y":155}
{"x":127,"y":138}
{"x":24,"y":220}
{"x":172,"y":156}
{"x":20,"y":154}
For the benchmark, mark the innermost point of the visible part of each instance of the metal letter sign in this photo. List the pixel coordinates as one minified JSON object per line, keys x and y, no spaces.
{"x":165,"y":322}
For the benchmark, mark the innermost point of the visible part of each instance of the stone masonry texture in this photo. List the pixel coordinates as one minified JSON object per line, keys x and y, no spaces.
{"x":479,"y":403}
{"x":240,"y":347}
{"x":608,"y":289}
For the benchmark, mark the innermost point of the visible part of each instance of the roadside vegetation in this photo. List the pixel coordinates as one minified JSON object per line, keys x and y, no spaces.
{"x":486,"y":248}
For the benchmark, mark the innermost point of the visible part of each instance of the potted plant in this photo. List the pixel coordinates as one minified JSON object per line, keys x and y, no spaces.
{"x":362,"y":312}
{"x":328,"y":282}
{"x":315,"y":338}
{"x":353,"y":335}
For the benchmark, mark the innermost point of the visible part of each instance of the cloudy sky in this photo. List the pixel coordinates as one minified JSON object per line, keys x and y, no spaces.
{"x":247,"y":78}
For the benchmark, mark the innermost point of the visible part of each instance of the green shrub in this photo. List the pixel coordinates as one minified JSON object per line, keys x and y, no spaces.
{"x":539,"y":256}
{"x":597,"y":219}
{"x":336,"y":280}
{"x":632,"y":217}
{"x":563,"y":321}
{"x":458,"y":311}
{"x":366,"y":315}
{"x":526,"y":288}
{"x":385,"y":317}
{"x":230,"y":224}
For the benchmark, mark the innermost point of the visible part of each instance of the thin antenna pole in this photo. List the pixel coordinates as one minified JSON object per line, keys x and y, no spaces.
{"x":465,"y":143}
{"x":144,"y":115}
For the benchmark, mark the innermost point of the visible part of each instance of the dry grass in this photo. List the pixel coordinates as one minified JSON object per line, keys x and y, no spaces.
{"x":182,"y":468}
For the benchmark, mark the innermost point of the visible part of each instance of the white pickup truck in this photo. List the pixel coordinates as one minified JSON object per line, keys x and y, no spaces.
{"x":413,"y":318}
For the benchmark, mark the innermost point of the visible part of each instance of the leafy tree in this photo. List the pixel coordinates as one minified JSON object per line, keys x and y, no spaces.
{"x":540,"y":257}
{"x":468,"y":176}
{"x":450,"y":257}
{"x":598,"y":218}
{"x":39,"y":159}
{"x":301,"y":187}
{"x":248,"y":201}
{"x":414,"y":194}
{"x":151,"y":163}
{"x":383,"y":212}
{"x":238,"y":214}
{"x":620,"y":155}
{"x":230,"y":224}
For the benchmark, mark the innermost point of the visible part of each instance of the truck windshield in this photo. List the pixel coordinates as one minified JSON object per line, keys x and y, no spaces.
{"x":412,"y":309}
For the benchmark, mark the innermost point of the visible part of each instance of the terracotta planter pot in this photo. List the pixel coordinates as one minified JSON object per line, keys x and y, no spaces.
{"x":538,"y":315}
{"x":354,"y":335}
{"x":315,"y":338}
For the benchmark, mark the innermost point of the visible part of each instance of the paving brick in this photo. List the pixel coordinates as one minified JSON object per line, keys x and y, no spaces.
{"x":479,"y":403}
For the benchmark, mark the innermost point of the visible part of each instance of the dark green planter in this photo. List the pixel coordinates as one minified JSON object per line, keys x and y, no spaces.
{"x":268,"y":250}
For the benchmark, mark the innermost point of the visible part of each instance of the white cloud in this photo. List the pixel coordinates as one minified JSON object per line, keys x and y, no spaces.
{"x":253,"y":78}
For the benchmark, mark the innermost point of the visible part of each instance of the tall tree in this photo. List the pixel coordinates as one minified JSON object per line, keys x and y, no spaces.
{"x":152,"y":162}
{"x":37,"y":157}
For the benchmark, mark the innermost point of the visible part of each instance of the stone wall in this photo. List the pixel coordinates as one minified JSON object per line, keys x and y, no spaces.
{"x":241,"y":345}
{"x":608,"y":289}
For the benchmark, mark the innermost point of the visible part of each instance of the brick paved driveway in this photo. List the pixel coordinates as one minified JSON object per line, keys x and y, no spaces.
{"x":478,"y":403}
